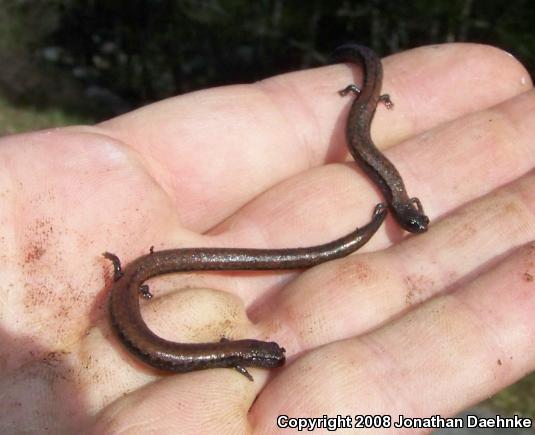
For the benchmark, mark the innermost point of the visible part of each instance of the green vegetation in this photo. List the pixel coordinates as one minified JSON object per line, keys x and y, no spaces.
{"x":130,"y":53}
{"x":517,"y":399}
{"x":17,"y":120}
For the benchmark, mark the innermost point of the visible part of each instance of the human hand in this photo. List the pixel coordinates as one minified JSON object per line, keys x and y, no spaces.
{"x":263,"y":166}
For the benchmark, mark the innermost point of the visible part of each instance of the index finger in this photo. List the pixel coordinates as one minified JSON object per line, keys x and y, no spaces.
{"x":215,"y":150}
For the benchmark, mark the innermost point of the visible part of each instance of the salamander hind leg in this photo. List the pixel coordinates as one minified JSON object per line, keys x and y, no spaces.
{"x":349,"y":88}
{"x":385,"y":99}
{"x":117,"y":270}
{"x":145,"y":292}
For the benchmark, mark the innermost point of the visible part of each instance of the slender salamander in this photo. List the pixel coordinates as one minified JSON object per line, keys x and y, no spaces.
{"x":408,"y":212}
{"x":184,"y":357}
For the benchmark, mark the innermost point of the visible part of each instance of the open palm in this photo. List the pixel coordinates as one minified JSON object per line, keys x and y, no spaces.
{"x":417,"y":325}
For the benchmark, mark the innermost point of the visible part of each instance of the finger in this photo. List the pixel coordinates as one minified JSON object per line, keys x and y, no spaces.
{"x":253,"y":136}
{"x":451,"y":352}
{"x":383,"y":286}
{"x":430,"y":96}
{"x":194,"y":404}
{"x":485,"y":150}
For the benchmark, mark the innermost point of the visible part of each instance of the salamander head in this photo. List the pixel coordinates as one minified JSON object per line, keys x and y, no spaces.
{"x":410,"y":218}
{"x":266,"y":354}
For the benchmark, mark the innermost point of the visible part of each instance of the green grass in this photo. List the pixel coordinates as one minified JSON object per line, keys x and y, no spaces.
{"x":20,"y":119}
{"x":517,"y":399}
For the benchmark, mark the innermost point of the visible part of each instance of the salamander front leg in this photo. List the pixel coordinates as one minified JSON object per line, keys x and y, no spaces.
{"x":418,"y":204}
{"x":238,"y":367}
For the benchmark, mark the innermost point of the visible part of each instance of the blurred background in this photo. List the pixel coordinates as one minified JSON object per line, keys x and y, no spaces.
{"x":68,"y":62}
